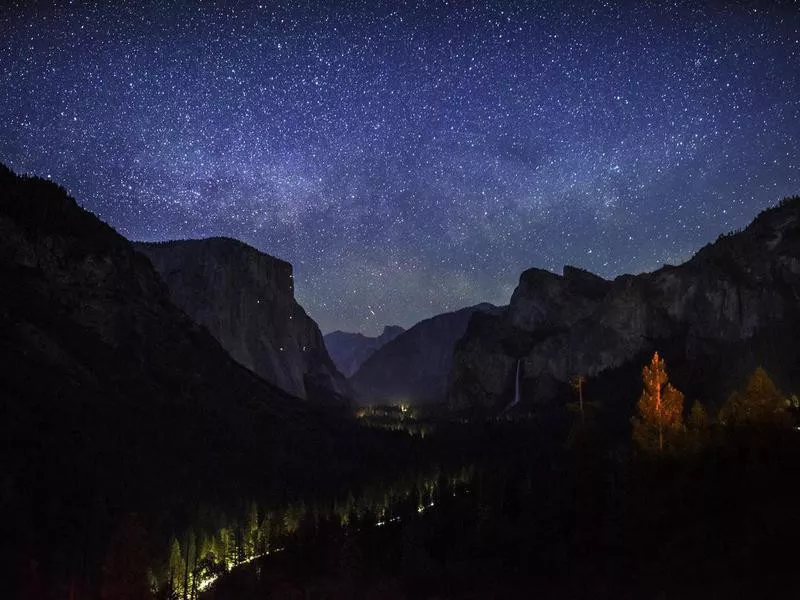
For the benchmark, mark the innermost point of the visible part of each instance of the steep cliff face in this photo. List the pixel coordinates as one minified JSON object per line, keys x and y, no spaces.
{"x":107,"y":387}
{"x":246,"y":300}
{"x":349,"y":350}
{"x":95,"y":355}
{"x":113,"y":401}
{"x":414,"y":366}
{"x":72,"y":284}
{"x":732,"y":306}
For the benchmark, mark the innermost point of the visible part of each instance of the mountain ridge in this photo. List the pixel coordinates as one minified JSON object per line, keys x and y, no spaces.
{"x":741,"y":288}
{"x":413,"y":367}
{"x":349,"y":350}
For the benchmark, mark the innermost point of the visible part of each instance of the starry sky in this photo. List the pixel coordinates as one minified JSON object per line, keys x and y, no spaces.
{"x":411,"y":158}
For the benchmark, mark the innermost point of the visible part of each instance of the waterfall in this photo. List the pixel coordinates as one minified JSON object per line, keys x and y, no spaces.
{"x":515,"y":401}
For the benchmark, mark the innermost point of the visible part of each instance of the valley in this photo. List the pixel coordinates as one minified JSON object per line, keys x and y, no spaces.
{"x":174,"y":426}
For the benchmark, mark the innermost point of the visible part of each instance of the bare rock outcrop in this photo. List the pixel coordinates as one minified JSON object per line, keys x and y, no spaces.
{"x":245,"y":298}
{"x":734,"y":305}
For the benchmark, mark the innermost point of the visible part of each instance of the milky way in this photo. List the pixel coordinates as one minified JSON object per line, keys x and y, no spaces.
{"x":411,"y":158}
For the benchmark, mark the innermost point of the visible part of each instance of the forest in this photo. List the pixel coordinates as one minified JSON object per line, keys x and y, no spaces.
{"x":688,"y":504}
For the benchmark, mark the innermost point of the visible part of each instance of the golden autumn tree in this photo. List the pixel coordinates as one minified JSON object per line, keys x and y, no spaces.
{"x":660,"y":408}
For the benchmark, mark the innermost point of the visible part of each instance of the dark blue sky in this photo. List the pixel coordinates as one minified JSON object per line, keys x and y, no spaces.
{"x":411,"y":158}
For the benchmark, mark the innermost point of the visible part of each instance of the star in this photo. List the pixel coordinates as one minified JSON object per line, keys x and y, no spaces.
{"x":414,"y":158}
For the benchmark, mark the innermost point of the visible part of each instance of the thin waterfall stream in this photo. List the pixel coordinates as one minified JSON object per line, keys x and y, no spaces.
{"x":515,"y":401}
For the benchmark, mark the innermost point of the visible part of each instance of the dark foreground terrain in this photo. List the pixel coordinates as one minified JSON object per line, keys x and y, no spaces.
{"x":581,"y":519}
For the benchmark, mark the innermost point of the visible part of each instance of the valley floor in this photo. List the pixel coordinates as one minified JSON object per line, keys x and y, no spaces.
{"x":577,"y":519}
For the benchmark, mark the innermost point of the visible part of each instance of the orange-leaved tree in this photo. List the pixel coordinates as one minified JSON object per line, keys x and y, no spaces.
{"x":660,"y":406}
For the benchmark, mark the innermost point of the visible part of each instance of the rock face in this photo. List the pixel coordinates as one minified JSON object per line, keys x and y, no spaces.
{"x":245,"y":298}
{"x":113,"y":401}
{"x":734,"y":305}
{"x":349,"y":350}
{"x":73,"y":284}
{"x":414,"y":366}
{"x":108,"y":388}
{"x":89,"y":338}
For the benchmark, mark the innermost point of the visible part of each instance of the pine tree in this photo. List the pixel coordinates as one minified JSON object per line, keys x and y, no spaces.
{"x":577,"y":383}
{"x":660,"y":408}
{"x":698,"y":417}
{"x":293,"y":515}
{"x":176,"y":567}
{"x":265,"y":534}
{"x":251,"y":531}
{"x":762,"y":404}
{"x":227,"y":546}
{"x":191,"y":550}
{"x":697,"y":427}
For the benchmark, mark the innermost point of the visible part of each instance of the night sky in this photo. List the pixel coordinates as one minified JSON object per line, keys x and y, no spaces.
{"x":410,"y":159}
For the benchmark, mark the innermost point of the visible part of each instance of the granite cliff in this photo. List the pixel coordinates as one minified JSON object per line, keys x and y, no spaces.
{"x":734,"y":305}
{"x":102,"y":369}
{"x":414,"y":366}
{"x":245,"y":298}
{"x":349,"y":350}
{"x":114,"y":402}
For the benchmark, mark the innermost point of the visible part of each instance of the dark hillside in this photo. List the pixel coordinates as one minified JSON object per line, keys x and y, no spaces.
{"x":114,"y":401}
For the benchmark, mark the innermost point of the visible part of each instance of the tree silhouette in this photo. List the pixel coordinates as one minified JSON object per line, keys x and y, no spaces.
{"x":176,"y":567}
{"x":761,"y":405}
{"x":191,"y":550}
{"x":577,"y":383}
{"x":660,"y":408}
{"x":698,"y":417}
{"x":697,"y":427}
{"x":251,"y":531}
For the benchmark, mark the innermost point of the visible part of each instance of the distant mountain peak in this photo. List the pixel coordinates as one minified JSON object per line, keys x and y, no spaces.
{"x":414,"y":366}
{"x":391,"y":330}
{"x":350,"y":350}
